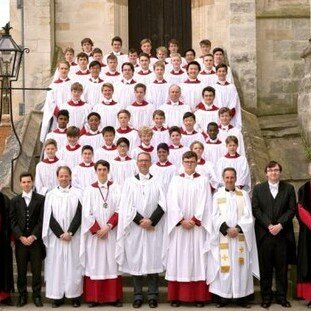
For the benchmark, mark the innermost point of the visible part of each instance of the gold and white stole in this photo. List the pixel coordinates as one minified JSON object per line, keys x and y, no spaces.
{"x":224,"y":240}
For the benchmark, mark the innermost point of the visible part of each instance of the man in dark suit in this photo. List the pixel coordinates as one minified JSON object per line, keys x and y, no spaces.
{"x":274,"y":206}
{"x":26,"y":214}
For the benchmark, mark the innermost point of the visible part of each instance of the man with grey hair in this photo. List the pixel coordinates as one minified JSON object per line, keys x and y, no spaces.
{"x":140,"y":231}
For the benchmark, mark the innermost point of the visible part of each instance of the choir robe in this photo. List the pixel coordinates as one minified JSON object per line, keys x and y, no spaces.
{"x":102,"y":281}
{"x":304,"y":242}
{"x":176,"y":77}
{"x":208,"y":78}
{"x":124,"y":92}
{"x":229,"y":76}
{"x":160,"y":135}
{"x":232,"y":277}
{"x":111,"y":77}
{"x":141,"y":114}
{"x":71,"y":156}
{"x":46,"y":177}
{"x":227,"y":96}
{"x":176,"y":153}
{"x":81,"y":76}
{"x":122,"y":58}
{"x":60,"y":93}
{"x":94,"y":139}
{"x":189,"y":198}
{"x":63,"y":270}
{"x":213,"y":150}
{"x":108,"y":111}
{"x":183,"y":61}
{"x":131,"y":134}
{"x":83,"y":175}
{"x":144,"y":77}
{"x":174,"y":113}
{"x":78,"y":112}
{"x":188,"y":138}
{"x":106,"y":153}
{"x":205,"y":114}
{"x":92,"y":91}
{"x":163,"y":173}
{"x":122,"y":168}
{"x":239,"y":163}
{"x":143,"y":148}
{"x":139,"y":251}
{"x":191,"y":92}
{"x":59,"y":135}
{"x":157,"y":93}
{"x":230,"y":130}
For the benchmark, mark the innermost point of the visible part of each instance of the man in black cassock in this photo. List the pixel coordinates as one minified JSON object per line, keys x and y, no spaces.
{"x":6,"y":266}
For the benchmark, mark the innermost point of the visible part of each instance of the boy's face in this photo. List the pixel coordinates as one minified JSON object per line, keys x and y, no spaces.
{"x":127,"y":72}
{"x":50,"y":151}
{"x":205,"y":49}
{"x":218,"y":57}
{"x":232,"y":147}
{"x":102,"y":172}
{"x":139,"y":94}
{"x":193,"y":71}
{"x":87,"y":47}
{"x":76,"y":94}
{"x":212,"y":131}
{"x":123,"y":119}
{"x":122,"y":149}
{"x":146,"y":138}
{"x":189,"y":123}
{"x":144,"y":62}
{"x":62,"y":121}
{"x":161,"y":55}
{"x":221,"y":73}
{"x":98,"y":57}
{"x":198,"y":150}
{"x":93,"y":122}
{"x":159,"y":71}
{"x":107,"y":92}
{"x":176,"y":62}
{"x":108,"y":138}
{"x":133,"y":58}
{"x":225,"y":118}
{"x":162,"y":155}
{"x":87,"y":156}
{"x":72,"y":140}
{"x":63,"y":71}
{"x":208,"y":62}
{"x":146,"y":48}
{"x":82,"y":62}
{"x":173,"y":48}
{"x":189,"y":56}
{"x":69,"y":57}
{"x":208,"y":97}
{"x":159,"y":120}
{"x":174,"y":93}
{"x":175,"y":138}
{"x":116,"y":46}
{"x":112,"y":64}
{"x":189,"y":165}
{"x":95,"y":70}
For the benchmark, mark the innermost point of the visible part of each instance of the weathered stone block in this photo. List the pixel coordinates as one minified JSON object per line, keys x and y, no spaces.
{"x":62,"y":26}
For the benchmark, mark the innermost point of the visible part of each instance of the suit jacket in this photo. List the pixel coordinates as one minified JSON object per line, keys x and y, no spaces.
{"x":18,"y":219}
{"x":281,"y":209}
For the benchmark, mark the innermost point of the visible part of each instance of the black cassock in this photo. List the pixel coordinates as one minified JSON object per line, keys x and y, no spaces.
{"x":6,"y":263}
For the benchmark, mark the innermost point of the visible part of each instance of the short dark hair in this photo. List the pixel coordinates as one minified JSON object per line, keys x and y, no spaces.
{"x":73,"y":131}
{"x":116,"y":38}
{"x":94,"y":63}
{"x":108,"y":129}
{"x":103,"y":163}
{"x":143,"y":54}
{"x":87,"y":147}
{"x":87,"y":40}
{"x":158,"y":112}
{"x":97,"y":50}
{"x":188,"y":114}
{"x":228,"y":169}
{"x":82,"y":55}
{"x":232,"y":138}
{"x":222,"y":66}
{"x":93,"y":114}
{"x":63,"y":112}
{"x":163,"y":146}
{"x":174,"y":129}
{"x":123,"y":140}
{"x":25,"y":174}
{"x":127,"y":64}
{"x":208,"y":89}
{"x":65,"y":167}
{"x":194,"y":62}
{"x":190,"y":50}
{"x":218,"y":50}
{"x":140,"y":85}
{"x":212,"y":124}
{"x":189,"y":155}
{"x":272,"y":164}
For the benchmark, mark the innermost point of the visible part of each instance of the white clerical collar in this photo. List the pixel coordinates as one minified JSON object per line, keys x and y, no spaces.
{"x":273,"y":186}
{"x":65,"y":190}
{"x":63,"y":79}
{"x":107,"y":100}
{"x":213,"y":140}
{"x":207,"y":107}
{"x":125,"y":81}
{"x":123,"y":158}
{"x":87,"y":164}
{"x":190,"y":132}
{"x":191,"y":176}
{"x":144,"y":177}
{"x":103,"y":185}
{"x":84,"y":71}
{"x":174,"y":103}
{"x":117,"y":53}
{"x":94,"y":80}
{"x":75,"y":101}
{"x":93,"y":132}
{"x":27,"y":194}
{"x":62,"y":130}
{"x":224,"y":127}
{"x":145,"y":146}
{"x":222,"y":82}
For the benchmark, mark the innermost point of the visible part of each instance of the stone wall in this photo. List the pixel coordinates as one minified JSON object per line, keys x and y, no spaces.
{"x":283,"y":28}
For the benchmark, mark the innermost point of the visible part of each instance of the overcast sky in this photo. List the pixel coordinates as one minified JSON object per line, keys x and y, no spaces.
{"x":4,"y":12}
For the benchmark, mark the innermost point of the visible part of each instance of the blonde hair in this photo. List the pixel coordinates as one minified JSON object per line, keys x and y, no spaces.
{"x":145,"y":130}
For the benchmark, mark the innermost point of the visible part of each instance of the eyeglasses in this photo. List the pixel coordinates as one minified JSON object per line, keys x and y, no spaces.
{"x":190,"y":162}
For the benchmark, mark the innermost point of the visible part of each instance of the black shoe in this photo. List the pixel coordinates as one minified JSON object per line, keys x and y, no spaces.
{"x":137,"y":303}
{"x":7,"y":302}
{"x":57,"y":303}
{"x":309,"y":305}
{"x":175,"y":303}
{"x":22,"y":300}
{"x":244,"y":304}
{"x":75,"y":302}
{"x":199,"y":304}
{"x":153,"y":303}
{"x":284,"y":303}
{"x":38,"y":302}
{"x":266,"y":304}
{"x":117,"y":304}
{"x":92,"y":304}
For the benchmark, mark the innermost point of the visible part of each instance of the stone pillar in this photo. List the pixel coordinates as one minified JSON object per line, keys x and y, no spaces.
{"x":242,"y":50}
{"x":304,"y":96}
